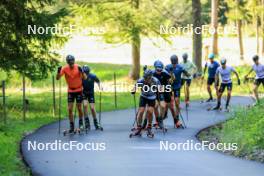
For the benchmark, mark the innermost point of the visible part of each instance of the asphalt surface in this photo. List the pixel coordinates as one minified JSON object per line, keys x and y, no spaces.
{"x":139,"y":155}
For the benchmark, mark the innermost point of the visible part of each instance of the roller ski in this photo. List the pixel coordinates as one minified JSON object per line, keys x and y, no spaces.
{"x":87,"y":123}
{"x":97,"y":125}
{"x":70,"y":131}
{"x":159,"y":125}
{"x":137,"y":132}
{"x":178,"y":124}
{"x":149,"y":132}
{"x":216,"y":108}
{"x":81,"y":128}
{"x":145,"y":122}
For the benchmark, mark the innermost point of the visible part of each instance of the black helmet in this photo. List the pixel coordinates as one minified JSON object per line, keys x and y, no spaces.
{"x":185,"y":56}
{"x":174,"y":59}
{"x":223,"y":61}
{"x":158,"y":65}
{"x":70,"y":59}
{"x":147,"y":74}
{"x":255,"y":58}
{"x":86,"y":69}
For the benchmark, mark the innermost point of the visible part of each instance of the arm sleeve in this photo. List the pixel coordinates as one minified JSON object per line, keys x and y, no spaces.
{"x":96,"y":79}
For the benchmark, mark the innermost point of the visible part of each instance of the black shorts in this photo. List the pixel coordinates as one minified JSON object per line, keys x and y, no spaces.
{"x":187,"y":81}
{"x":177,"y":93}
{"x":144,"y":101}
{"x":75,"y":95}
{"x":210,"y":81}
{"x":223,"y":86}
{"x":259,"y":81}
{"x":167,"y":97}
{"x":89,"y":97}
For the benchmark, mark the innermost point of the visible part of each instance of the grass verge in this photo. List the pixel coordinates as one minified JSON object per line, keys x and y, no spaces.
{"x":245,"y":128}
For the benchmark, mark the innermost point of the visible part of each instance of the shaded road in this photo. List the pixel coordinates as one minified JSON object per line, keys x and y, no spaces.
{"x":137,"y":156}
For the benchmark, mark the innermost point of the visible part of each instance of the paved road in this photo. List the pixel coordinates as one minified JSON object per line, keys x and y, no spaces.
{"x":137,"y":156}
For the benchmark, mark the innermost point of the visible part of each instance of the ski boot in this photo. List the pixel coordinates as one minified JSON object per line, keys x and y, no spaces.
{"x":149,"y":132}
{"x":159,"y":124}
{"x":97,"y":125}
{"x":218,"y":107}
{"x":177,"y":123}
{"x":70,"y":131}
{"x":137,"y":132}
{"x":87,"y":123}
{"x":209,"y":100}
{"x":227,"y":109}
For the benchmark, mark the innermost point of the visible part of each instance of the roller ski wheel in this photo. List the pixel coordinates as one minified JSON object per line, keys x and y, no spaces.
{"x":150,"y":134}
{"x":137,"y":132}
{"x":133,"y":129}
{"x":214,"y":109}
{"x":179,"y":125}
{"x":99,"y":128}
{"x":69,"y":132}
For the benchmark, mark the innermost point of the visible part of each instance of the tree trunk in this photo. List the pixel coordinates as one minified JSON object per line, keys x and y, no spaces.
{"x":197,"y":34}
{"x":240,"y":39}
{"x":257,"y":36}
{"x":135,"y":70}
{"x":135,"y":44}
{"x":214,"y":24}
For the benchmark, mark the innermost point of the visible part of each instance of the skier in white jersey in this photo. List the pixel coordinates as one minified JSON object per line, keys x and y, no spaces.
{"x":259,"y":79}
{"x":225,"y":72}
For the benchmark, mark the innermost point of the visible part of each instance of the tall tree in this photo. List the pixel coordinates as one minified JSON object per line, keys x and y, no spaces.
{"x":214,"y":24}
{"x":127,"y":21}
{"x":197,"y":34}
{"x":237,"y":12}
{"x":28,"y":53}
{"x":135,"y":44}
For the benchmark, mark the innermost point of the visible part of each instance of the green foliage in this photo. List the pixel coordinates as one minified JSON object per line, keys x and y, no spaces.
{"x":29,"y":54}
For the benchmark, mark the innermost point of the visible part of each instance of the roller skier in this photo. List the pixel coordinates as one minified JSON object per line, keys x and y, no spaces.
{"x":225,"y":72}
{"x":73,"y":75}
{"x":176,"y":71}
{"x":212,"y":66}
{"x":149,"y":88}
{"x":163,"y":96}
{"x":88,"y":96}
{"x":187,"y":80}
{"x":258,"y":68}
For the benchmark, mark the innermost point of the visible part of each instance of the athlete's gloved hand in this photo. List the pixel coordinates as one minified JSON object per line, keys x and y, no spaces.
{"x":238,"y":82}
{"x":133,"y":92}
{"x":59,"y":69}
{"x":80,"y":69}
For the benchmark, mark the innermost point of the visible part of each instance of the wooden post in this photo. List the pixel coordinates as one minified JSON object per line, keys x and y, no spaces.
{"x":54,"y":96}
{"x":4,"y":101}
{"x":115,"y":90}
{"x":24,"y":98}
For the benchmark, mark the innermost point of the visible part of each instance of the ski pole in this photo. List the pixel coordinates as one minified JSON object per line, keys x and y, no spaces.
{"x":186,"y":106}
{"x":100,"y":106}
{"x":182,"y":119}
{"x":59,"y":106}
{"x":135,"y":108}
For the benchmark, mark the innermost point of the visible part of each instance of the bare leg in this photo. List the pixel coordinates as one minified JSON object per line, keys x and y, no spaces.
{"x":92,"y":107}
{"x":255,"y":90}
{"x":140,"y":115}
{"x":70,"y":112}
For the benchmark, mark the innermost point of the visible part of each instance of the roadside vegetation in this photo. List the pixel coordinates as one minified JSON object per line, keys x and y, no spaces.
{"x":245,"y":127}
